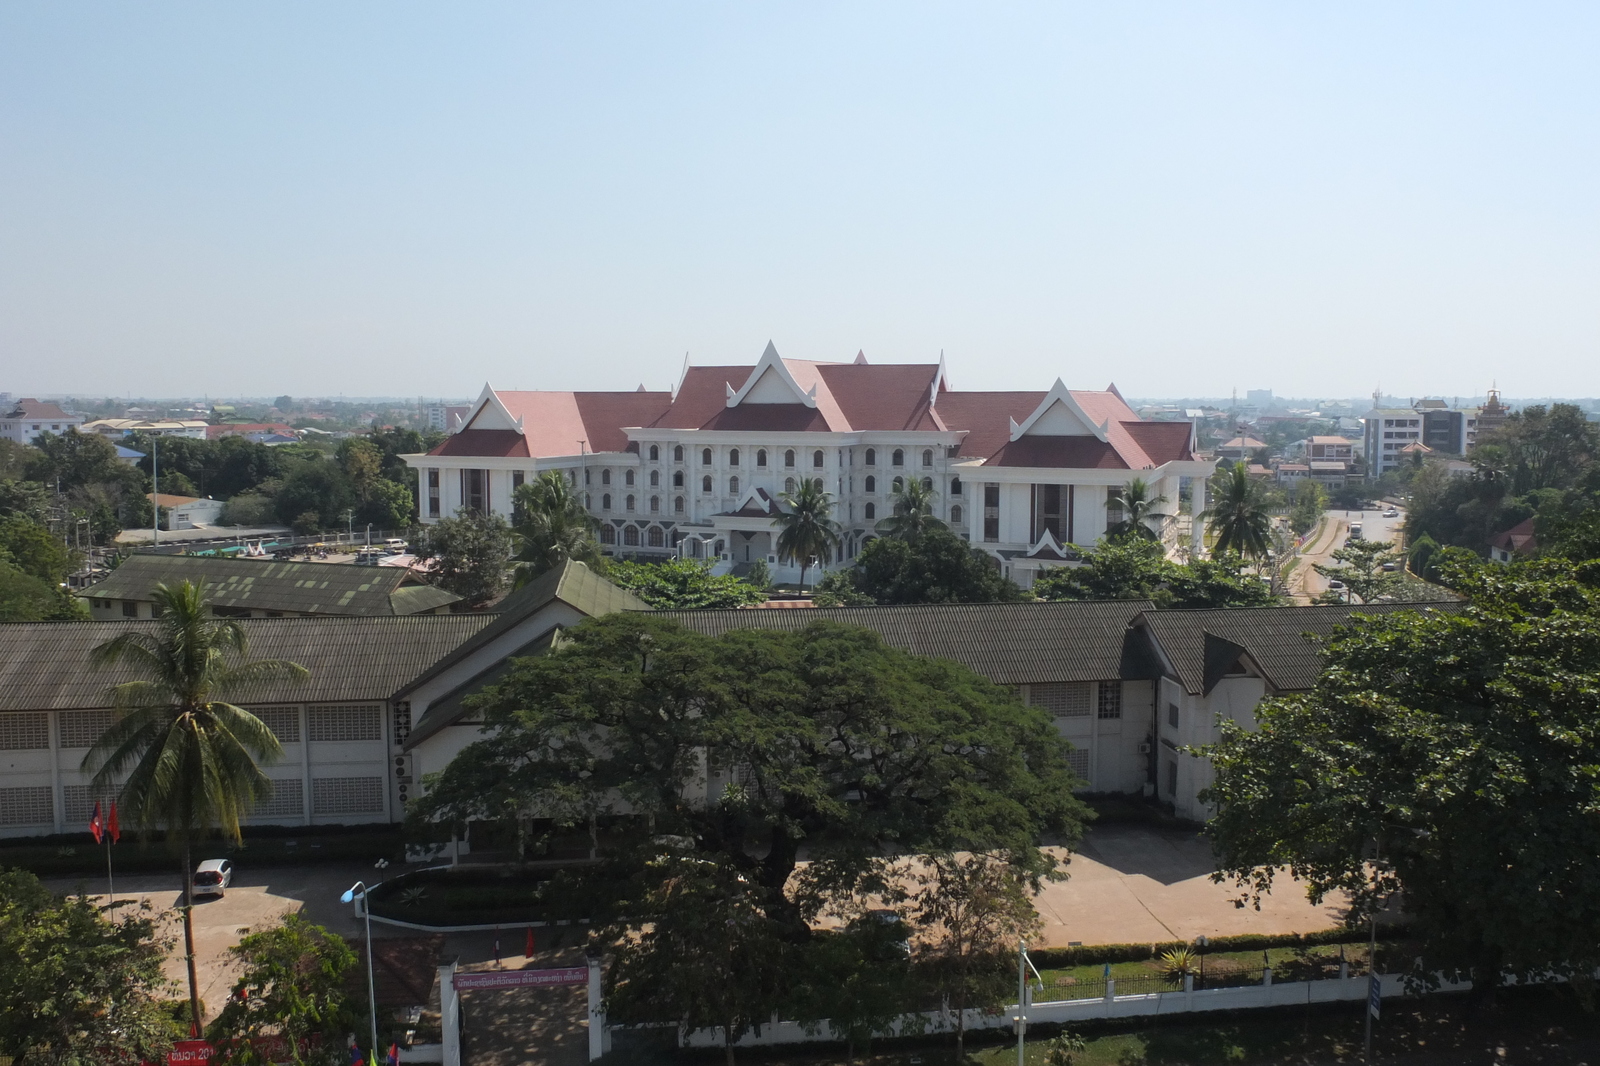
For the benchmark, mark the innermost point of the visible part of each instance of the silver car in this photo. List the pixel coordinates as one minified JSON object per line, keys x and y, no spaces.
{"x":211,"y":878}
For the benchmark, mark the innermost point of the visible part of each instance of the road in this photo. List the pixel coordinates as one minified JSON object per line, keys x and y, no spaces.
{"x":1307,"y":584}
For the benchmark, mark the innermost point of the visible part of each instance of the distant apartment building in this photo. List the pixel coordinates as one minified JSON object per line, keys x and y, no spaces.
{"x":1240,"y":448}
{"x":1388,"y":430}
{"x":1432,"y":424}
{"x":445,"y":417}
{"x":26,"y":420}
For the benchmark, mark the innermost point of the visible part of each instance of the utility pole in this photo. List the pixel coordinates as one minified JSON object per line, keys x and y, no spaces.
{"x":155,"y":492}
{"x":1022,"y":999}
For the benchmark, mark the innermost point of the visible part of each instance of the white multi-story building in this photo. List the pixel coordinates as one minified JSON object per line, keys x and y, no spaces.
{"x":699,"y":471}
{"x":26,"y":420}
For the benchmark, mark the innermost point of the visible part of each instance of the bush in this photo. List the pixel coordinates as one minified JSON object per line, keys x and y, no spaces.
{"x":1064,"y":958}
{"x":249,"y":509}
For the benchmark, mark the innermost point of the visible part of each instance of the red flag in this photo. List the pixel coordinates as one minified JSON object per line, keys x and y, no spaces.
{"x":529,"y":952}
{"x":393,"y":1058}
{"x":97,"y":828}
{"x":112,"y":827}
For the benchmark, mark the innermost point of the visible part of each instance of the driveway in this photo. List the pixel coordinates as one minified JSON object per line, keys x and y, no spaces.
{"x":1141,"y":885}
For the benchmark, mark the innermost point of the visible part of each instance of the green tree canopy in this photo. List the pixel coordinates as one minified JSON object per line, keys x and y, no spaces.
{"x":293,"y":984}
{"x":682,"y":584}
{"x":552,"y":526}
{"x":1132,"y":568}
{"x":935,"y":567}
{"x":1465,"y":747}
{"x":825,"y":736}
{"x":34,"y":550}
{"x":807,"y":532}
{"x":912,"y":504}
{"x":1360,"y":565}
{"x":1139,"y":506}
{"x":77,"y":989}
{"x":471,"y":553}
{"x":1238,"y":515}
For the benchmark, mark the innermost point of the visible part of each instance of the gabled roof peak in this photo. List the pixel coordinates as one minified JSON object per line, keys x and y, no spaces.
{"x":1072,"y":422}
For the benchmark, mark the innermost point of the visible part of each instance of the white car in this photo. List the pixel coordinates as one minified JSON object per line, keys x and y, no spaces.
{"x":211,"y":878}
{"x":1391,"y":513}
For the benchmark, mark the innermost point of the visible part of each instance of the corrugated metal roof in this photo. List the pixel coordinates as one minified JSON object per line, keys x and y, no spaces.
{"x":313,"y":588}
{"x":1284,"y":642}
{"x":1009,"y":643}
{"x":45,"y":665}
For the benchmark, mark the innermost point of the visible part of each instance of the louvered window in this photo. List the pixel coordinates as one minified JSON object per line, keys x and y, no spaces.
{"x":347,"y":795}
{"x":287,"y":800}
{"x":1110,"y":699}
{"x":333,"y":723}
{"x":26,"y":806}
{"x":22,"y":732}
{"x":80,"y":729}
{"x":77,"y":803}
{"x":283,"y":721}
{"x":1078,"y":763}
{"x":1063,"y":699}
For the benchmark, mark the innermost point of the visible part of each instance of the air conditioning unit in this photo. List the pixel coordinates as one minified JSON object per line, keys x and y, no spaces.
{"x":1144,"y":748}
{"x":403,"y":768}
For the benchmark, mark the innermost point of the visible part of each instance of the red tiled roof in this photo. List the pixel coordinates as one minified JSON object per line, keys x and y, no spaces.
{"x":769,"y":417}
{"x":1078,"y":453}
{"x":1161,"y":442}
{"x":499,"y":443}
{"x":30,"y":408}
{"x":886,"y":397}
{"x":1519,"y":538}
{"x":986,"y":417}
{"x":554,"y":422}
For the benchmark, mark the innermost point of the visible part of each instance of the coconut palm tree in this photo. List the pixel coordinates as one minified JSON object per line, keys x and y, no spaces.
{"x":192,"y":760}
{"x":551,"y":526}
{"x":1238,"y":517}
{"x":913,"y":511}
{"x":1138,"y":508}
{"x":806,"y":528}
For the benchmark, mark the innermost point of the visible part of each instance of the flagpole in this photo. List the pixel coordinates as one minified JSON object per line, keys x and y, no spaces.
{"x":111,"y":888}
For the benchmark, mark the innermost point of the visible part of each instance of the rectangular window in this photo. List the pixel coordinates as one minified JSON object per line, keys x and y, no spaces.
{"x":80,"y":729}
{"x":1063,"y":699}
{"x":1047,"y":511}
{"x":1078,"y":763}
{"x":24,"y":732}
{"x":402,"y":721}
{"x":27,"y":806}
{"x":283,"y":721}
{"x":991,"y":512}
{"x":1172,"y":715}
{"x":475,"y":491}
{"x":77,"y":803}
{"x":347,"y":795}
{"x":130,"y":609}
{"x":339,"y":724}
{"x":516,"y":480}
{"x":1110,"y":699}
{"x":1114,"y":514}
{"x":433,"y":493}
{"x":1172,"y":779}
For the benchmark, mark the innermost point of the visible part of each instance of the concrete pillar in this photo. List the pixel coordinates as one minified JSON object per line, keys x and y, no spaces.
{"x":1188,"y":982}
{"x":1111,"y":989}
{"x":1266,"y":975}
{"x":599,"y":1038}
{"x":449,"y":1012}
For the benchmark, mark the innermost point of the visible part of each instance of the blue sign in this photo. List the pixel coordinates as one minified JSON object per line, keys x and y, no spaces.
{"x":1374,"y":994}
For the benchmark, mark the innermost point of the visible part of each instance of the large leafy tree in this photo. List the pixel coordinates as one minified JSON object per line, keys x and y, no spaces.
{"x":1131,"y":568}
{"x":1360,"y":565}
{"x":1140,"y":507}
{"x":293,"y":990}
{"x":912,"y":504}
{"x":471,"y":553}
{"x":935,"y":567}
{"x":77,"y":989}
{"x":189,"y":761}
{"x":1238,"y":516}
{"x":807,"y":532}
{"x":825,"y":737}
{"x":1462,"y":748}
{"x":682,"y":584}
{"x":552,"y":527}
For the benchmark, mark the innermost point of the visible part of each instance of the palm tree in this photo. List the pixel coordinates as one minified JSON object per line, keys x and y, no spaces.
{"x":1138,"y":508}
{"x":551,"y":527}
{"x":1238,"y":517}
{"x":913,"y":511}
{"x":192,"y":760}
{"x":807,"y":528}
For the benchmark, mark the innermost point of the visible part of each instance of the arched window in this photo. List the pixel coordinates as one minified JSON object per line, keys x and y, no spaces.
{"x":677,"y":479}
{"x":871,"y":511}
{"x":716,"y":549}
{"x":627,"y":477}
{"x":655,"y":504}
{"x":630,"y":536}
{"x":761,"y":457}
{"x":927,"y":483}
{"x":656,"y":538}
{"x":955,"y":486}
{"x":817,"y":484}
{"x":588,"y":502}
{"x":788,"y":484}
{"x":608,"y":535}
{"x":630,"y":501}
{"x":705,"y":483}
{"x":872,"y":483}
{"x":733,"y":456}
{"x":927,"y":457}
{"x":705,"y":456}
{"x":677,"y":453}
{"x":872,"y":457}
{"x":788,"y":458}
{"x":655,"y":453}
{"x":899,"y":457}
{"x":733,"y":486}
{"x":899,"y":485}
{"x":605,"y":502}
{"x":605,"y":477}
{"x":516,"y":478}
{"x":587,"y":476}
{"x":677,"y":505}
{"x":694,"y":548}
{"x":816,"y":459}
{"x":655,"y":478}
{"x":955,"y":515}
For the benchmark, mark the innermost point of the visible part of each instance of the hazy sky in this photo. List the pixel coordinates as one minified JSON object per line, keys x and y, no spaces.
{"x":394,"y":198}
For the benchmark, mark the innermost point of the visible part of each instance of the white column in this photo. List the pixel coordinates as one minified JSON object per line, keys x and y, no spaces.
{"x":1197,"y":503}
{"x":598,"y":1037}
{"x":450,"y":1013}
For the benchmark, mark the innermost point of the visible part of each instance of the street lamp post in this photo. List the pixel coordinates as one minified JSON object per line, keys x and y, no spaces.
{"x":355,"y":890}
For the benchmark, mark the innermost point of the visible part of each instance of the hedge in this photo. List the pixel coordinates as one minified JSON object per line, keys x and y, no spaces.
{"x":1090,"y":954}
